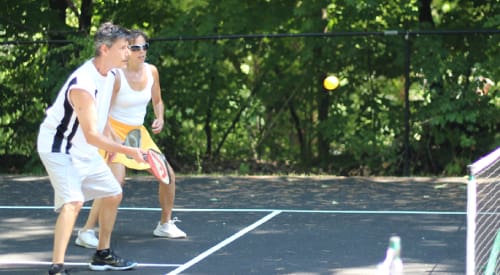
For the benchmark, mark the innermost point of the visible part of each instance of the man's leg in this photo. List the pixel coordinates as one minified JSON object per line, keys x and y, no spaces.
{"x":66,"y":184}
{"x":109,"y":209}
{"x":119,"y":173}
{"x":86,"y":236}
{"x":63,"y":230}
{"x":104,"y":257}
{"x":107,"y":218}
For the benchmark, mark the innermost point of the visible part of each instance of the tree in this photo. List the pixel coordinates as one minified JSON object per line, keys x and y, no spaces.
{"x":242,"y":80}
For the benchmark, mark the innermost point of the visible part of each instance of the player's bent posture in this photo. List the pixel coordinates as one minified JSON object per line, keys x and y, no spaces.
{"x":68,"y":143}
{"x":135,"y":87}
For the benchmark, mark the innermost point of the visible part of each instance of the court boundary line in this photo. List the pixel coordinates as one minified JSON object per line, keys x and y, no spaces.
{"x":155,"y":209}
{"x":48,"y":263}
{"x":223,"y":243}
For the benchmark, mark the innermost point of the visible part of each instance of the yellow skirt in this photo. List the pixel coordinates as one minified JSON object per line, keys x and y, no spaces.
{"x":147,"y":143}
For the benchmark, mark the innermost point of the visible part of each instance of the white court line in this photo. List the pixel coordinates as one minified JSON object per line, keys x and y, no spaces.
{"x":391,"y":212}
{"x":223,"y":243}
{"x":79,"y":264}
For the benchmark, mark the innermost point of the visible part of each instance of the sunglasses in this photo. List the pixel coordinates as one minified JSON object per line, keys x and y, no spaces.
{"x":136,"y":48}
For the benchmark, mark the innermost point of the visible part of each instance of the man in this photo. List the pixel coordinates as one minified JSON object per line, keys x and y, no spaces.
{"x":68,"y":143}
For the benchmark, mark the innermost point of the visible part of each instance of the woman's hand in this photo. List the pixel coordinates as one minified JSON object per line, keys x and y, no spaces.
{"x":157,"y":126}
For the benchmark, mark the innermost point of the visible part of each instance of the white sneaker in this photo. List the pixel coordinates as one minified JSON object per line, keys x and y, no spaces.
{"x":169,"y":230}
{"x":87,"y":239}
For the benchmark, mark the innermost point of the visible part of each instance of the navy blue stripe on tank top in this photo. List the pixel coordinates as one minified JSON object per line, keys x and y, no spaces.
{"x":63,"y":125}
{"x":71,"y":135}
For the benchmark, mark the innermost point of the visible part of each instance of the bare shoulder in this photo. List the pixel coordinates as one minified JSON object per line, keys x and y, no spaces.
{"x":153,"y":68}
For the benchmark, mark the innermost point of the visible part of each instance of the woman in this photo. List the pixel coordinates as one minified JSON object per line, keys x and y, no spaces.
{"x":135,"y":87}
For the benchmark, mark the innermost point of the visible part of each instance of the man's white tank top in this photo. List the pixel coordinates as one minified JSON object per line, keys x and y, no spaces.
{"x":60,"y":131}
{"x":130,"y":105}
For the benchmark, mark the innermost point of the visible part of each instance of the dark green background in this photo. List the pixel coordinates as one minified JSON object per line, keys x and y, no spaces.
{"x":241,"y":81}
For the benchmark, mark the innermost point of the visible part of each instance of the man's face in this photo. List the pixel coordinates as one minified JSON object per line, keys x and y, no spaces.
{"x":119,"y":53}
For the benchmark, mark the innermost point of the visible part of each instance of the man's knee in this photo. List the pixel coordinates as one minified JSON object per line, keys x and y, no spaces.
{"x":114,"y":198}
{"x":73,"y":206}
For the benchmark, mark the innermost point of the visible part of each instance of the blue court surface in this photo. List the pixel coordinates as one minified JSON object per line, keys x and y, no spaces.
{"x":254,"y":225}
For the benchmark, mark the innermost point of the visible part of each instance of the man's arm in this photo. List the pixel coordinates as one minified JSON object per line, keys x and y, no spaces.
{"x":85,"y":109}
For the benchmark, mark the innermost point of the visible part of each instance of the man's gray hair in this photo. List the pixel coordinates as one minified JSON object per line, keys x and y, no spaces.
{"x":107,"y":34}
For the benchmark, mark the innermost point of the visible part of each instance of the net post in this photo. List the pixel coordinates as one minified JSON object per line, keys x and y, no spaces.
{"x":483,"y":219}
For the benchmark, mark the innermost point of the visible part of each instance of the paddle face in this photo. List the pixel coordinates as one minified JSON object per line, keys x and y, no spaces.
{"x":158,"y":165}
{"x":133,"y":139}
{"x":156,"y":160}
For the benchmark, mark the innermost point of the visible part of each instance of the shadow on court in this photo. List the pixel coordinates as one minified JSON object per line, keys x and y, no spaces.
{"x":254,"y":225}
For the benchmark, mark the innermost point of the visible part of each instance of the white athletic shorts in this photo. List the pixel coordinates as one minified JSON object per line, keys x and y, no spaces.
{"x":79,"y":180}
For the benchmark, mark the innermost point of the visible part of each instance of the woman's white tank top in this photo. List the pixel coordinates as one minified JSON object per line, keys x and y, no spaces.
{"x":130,"y":105}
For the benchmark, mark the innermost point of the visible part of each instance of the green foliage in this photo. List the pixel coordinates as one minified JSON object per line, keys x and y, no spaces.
{"x":247,"y":104}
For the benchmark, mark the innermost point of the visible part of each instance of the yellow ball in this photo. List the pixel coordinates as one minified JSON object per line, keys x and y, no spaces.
{"x":331,"y":83}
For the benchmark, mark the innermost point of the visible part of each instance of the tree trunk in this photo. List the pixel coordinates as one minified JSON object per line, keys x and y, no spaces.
{"x":59,"y":7}
{"x":85,"y":18}
{"x":305,"y":158}
{"x":424,"y":13}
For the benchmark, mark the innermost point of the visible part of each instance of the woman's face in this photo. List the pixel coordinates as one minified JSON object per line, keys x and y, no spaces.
{"x":138,"y":50}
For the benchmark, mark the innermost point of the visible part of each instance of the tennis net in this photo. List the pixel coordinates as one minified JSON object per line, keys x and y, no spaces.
{"x":483,"y":216}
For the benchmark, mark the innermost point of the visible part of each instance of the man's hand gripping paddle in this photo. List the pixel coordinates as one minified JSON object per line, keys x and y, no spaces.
{"x":156,"y":160}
